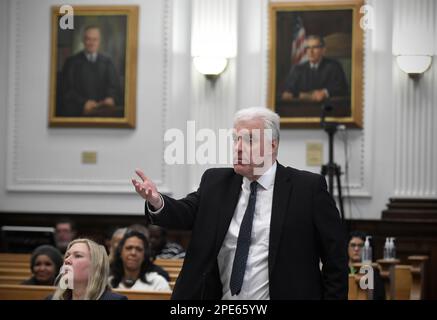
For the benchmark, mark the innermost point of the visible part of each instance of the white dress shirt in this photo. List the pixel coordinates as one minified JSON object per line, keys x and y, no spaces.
{"x":256,"y":277}
{"x":315,"y":66}
{"x":91,"y":57}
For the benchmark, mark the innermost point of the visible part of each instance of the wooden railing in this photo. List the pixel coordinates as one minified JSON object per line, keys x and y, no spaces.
{"x":355,"y":292}
{"x":15,"y":268}
{"x":15,"y":257}
{"x":402,"y":282}
{"x":22,"y":292}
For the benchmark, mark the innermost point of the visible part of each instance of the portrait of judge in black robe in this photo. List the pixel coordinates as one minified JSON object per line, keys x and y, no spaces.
{"x":89,"y":83}
{"x":316,"y":79}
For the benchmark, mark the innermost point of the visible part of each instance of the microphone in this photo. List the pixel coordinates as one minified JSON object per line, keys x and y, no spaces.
{"x":325,"y":108}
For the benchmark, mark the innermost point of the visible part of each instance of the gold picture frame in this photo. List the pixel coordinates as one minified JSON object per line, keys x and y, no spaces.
{"x":334,"y":28}
{"x":94,"y":90}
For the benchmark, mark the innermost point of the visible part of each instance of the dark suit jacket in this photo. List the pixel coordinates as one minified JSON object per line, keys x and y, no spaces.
{"x":305,"y":227}
{"x":329,"y":75}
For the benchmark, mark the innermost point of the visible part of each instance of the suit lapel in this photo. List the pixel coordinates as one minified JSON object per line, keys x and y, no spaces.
{"x":281,"y":197}
{"x":227,"y":209}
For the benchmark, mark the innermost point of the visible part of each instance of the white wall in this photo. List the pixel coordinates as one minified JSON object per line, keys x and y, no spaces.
{"x":40,"y":166}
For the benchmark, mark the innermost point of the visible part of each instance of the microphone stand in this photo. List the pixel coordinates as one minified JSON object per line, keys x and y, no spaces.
{"x":331,"y":168}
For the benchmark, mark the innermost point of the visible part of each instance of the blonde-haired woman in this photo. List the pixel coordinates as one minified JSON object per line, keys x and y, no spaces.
{"x":89,"y":266}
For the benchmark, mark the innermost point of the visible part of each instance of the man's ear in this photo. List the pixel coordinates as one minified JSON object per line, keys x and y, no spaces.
{"x":275,"y":146}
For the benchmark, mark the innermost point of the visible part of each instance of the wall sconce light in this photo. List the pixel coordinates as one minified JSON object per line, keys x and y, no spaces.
{"x":211,"y":67}
{"x":213,"y":36}
{"x":414,"y":65}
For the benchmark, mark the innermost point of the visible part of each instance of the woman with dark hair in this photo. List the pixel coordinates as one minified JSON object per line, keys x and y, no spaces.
{"x":45,"y":263}
{"x":355,"y":248}
{"x":356,"y":244}
{"x":132,"y":267}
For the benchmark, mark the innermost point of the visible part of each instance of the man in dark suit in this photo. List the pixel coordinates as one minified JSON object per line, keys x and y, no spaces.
{"x":318,"y":78}
{"x":259,"y":230}
{"x":89,"y":82}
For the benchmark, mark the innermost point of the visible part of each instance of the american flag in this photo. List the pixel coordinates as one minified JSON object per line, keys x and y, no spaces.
{"x":298,"y":44}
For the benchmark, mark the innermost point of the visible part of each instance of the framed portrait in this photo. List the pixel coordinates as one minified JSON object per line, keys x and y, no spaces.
{"x":93,"y":67}
{"x":316,"y":62}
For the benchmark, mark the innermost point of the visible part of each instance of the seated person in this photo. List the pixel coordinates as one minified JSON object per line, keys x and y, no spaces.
{"x":115,"y":240}
{"x":65,"y":232}
{"x":143,"y":229}
{"x":85,"y":273}
{"x":45,"y":263}
{"x":317,"y":79}
{"x":356,"y":244}
{"x":161,"y":247}
{"x":119,"y":234}
{"x":132,"y":267}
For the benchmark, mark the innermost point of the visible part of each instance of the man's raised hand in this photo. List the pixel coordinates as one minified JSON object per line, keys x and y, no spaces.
{"x":147,"y":190}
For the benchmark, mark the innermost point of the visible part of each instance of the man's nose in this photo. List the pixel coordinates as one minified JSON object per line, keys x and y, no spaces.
{"x":67,"y":261}
{"x":133,"y":251}
{"x":239,"y":144}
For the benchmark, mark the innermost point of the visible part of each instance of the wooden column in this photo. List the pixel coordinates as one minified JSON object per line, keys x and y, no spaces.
{"x":387,"y":267}
{"x":418,"y":275}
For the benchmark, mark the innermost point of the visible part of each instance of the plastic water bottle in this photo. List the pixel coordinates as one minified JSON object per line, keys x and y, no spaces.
{"x":387,"y":249}
{"x":392,"y":248}
{"x":367,"y":252}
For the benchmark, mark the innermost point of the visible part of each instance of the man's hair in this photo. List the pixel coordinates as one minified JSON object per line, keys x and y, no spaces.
{"x":67,"y":220}
{"x":316,"y":37}
{"x":92,"y":26}
{"x":270,"y":118}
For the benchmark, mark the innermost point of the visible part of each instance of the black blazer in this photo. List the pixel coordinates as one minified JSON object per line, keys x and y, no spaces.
{"x":305,"y":228}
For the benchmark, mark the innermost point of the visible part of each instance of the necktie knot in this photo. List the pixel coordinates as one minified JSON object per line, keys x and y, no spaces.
{"x":253,"y":186}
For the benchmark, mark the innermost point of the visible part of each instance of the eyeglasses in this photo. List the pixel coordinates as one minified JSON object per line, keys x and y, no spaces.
{"x":247,"y":139}
{"x":356,"y":245}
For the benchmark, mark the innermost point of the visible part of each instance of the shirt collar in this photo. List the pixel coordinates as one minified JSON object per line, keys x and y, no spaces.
{"x":316,"y":65}
{"x":91,"y":56}
{"x":266,"y":180}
